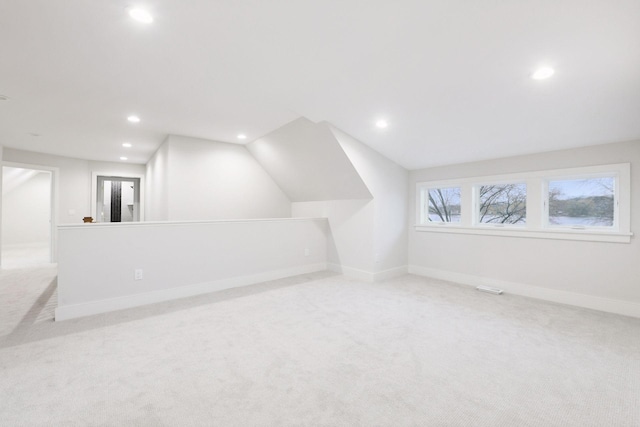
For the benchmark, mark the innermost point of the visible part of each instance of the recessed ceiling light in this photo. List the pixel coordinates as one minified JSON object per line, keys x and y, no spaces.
{"x":242,"y":136}
{"x":542,"y":73}
{"x":123,"y":158}
{"x":134,"y":119}
{"x":126,"y":144}
{"x":382,"y":124}
{"x":141,"y":15}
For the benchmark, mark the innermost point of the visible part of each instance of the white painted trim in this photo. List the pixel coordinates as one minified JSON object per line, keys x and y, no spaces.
{"x":537,"y":214}
{"x":537,"y":174}
{"x":195,"y":222}
{"x":626,"y":308}
{"x":390,"y":273}
{"x":561,"y":234}
{"x":336,"y":268}
{"x":354,"y":273}
{"x":113,"y":304}
{"x":367,"y":276}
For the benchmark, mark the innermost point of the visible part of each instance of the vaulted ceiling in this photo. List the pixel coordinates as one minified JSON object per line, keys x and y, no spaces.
{"x":451,"y":78}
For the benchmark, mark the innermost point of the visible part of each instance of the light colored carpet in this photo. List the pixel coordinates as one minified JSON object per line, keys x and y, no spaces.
{"x":316,"y":350}
{"x":27,"y":255}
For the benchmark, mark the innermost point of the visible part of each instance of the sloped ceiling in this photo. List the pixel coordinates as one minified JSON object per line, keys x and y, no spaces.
{"x":452,"y":78}
{"x":307,"y":162}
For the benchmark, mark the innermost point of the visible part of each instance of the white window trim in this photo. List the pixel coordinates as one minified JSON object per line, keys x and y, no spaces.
{"x":537,"y":213}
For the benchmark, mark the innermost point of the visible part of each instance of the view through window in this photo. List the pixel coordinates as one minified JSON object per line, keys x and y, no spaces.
{"x":502,"y":204}
{"x":582,"y":202}
{"x":591,"y":203}
{"x":444,"y":204}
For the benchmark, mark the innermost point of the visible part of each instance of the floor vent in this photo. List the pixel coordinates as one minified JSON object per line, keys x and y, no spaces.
{"x":494,"y":291}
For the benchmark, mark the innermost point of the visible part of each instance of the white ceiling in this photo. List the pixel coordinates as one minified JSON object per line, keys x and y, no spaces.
{"x":450,"y":76}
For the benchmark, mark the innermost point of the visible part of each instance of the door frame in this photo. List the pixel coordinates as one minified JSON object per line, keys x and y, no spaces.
{"x":118,"y":175}
{"x":53,"y":210}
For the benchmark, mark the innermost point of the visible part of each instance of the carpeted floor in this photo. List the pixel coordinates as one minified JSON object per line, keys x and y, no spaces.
{"x":27,"y":255}
{"x":316,"y":350}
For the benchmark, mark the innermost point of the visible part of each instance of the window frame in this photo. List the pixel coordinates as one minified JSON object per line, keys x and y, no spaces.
{"x":536,"y":225}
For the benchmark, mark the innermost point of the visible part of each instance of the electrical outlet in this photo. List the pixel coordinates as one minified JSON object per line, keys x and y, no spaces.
{"x":137,"y":274}
{"x":306,"y":251}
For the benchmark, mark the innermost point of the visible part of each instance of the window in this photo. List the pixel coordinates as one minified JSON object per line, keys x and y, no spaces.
{"x":587,"y":202}
{"x":444,"y":204}
{"x":502,"y":204}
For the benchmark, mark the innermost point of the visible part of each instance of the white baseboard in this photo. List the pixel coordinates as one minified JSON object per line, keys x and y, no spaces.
{"x":390,"y":273}
{"x":625,"y":308}
{"x":129,"y":301}
{"x":354,"y":273}
{"x":367,"y":276}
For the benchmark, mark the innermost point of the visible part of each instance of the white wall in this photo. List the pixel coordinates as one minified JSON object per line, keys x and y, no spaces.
{"x":368,"y":236}
{"x":607,"y":273}
{"x":387,"y":181}
{"x":199,"y":179}
{"x":74,"y":180}
{"x":157,"y":185}
{"x":1,"y":187}
{"x":26,"y":209}
{"x":97,"y":261}
{"x":351,"y":240}
{"x":308,"y":164}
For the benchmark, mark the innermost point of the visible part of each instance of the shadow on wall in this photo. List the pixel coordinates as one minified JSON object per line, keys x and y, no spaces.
{"x":350,"y":241}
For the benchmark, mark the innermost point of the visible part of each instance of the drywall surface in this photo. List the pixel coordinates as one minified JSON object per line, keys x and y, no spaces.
{"x":350,"y":241}
{"x":1,"y":189}
{"x":308,"y":164}
{"x":368,"y":236}
{"x":208,"y":180}
{"x":96,"y":262}
{"x":26,"y":208}
{"x":609,"y":271}
{"x":387,"y":181}
{"x":74,"y":179}
{"x":157,"y":185}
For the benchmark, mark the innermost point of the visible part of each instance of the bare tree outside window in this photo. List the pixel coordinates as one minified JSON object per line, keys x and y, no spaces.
{"x":582,"y":202}
{"x":503,"y":204}
{"x":444,"y":204}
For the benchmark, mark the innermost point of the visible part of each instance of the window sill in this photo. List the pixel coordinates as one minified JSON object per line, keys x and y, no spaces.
{"x":563,"y":234}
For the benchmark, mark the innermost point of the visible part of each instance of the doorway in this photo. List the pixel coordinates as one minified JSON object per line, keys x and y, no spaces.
{"x":118,"y":199}
{"x":26,"y":216}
